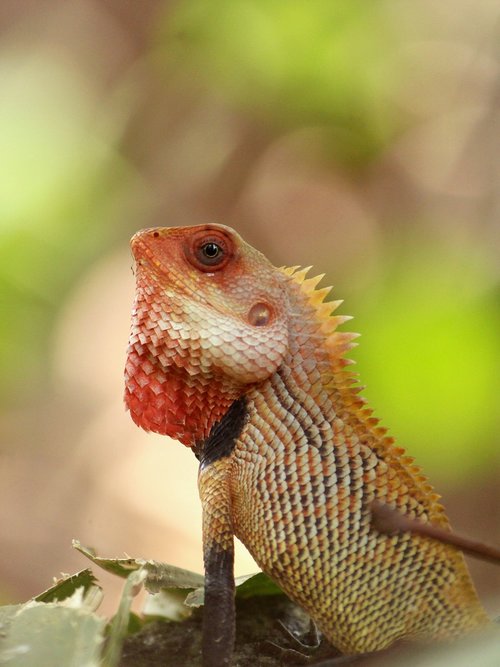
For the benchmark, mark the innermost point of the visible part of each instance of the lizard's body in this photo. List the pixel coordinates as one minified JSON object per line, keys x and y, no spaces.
{"x":243,"y":363}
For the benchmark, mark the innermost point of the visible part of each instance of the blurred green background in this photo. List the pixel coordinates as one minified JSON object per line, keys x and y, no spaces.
{"x":360,"y":137}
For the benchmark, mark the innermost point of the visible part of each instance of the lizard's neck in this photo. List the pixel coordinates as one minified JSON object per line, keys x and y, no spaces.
{"x":311,"y":395}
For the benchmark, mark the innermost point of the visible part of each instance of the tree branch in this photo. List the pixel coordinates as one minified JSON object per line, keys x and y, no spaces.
{"x":388,"y":520}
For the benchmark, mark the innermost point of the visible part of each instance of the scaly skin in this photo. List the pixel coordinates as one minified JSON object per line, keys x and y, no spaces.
{"x":243,"y":362}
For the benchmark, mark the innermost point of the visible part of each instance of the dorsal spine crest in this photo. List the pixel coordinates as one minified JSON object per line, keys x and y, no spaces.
{"x":345,"y":382}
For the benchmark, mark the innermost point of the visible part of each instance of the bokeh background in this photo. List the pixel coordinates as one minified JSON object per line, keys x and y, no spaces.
{"x":358,"y":136}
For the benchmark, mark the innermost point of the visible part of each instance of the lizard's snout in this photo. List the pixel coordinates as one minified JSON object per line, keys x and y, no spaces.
{"x":142,"y":243}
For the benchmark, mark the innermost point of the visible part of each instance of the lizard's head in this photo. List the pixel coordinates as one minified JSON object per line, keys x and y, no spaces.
{"x":208,"y":321}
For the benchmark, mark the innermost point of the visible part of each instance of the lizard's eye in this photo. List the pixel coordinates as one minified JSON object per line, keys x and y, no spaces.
{"x":209,"y":251}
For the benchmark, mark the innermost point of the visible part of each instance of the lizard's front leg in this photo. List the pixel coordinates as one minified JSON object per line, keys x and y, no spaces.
{"x":218,"y":555}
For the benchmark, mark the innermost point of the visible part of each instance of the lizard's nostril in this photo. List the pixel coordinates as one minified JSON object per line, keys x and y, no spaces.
{"x":140,"y":240}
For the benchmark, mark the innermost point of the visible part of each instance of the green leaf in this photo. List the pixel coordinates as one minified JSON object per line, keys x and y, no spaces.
{"x":120,"y":624}
{"x":135,"y":624}
{"x":163,"y":576}
{"x":247,"y":586}
{"x":168,"y":603}
{"x":159,"y":575}
{"x":164,"y":581}
{"x":66,"y":586}
{"x":7,"y":613}
{"x":42,"y":634}
{"x":119,"y":566}
{"x":256,"y":585}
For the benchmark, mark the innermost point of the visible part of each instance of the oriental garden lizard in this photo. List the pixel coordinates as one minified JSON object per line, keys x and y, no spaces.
{"x":243,"y":362}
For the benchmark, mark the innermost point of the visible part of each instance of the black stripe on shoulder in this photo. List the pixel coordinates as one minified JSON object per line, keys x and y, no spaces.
{"x":223,"y":434}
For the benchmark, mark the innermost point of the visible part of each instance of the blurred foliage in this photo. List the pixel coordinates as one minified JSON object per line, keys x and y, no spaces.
{"x":62,"y":183}
{"x":297,"y":63}
{"x":429,"y":356}
{"x":429,"y":352}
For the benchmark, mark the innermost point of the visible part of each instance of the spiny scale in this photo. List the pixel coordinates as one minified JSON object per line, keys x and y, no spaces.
{"x":340,"y":342}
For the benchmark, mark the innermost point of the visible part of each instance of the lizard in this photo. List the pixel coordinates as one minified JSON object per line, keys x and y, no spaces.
{"x":244,"y":363}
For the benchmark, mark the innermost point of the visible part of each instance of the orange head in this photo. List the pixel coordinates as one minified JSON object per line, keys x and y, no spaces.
{"x":209,"y":320}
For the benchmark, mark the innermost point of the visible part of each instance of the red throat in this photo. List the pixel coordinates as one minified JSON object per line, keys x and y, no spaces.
{"x":172,"y":402}
{"x":171,"y":386}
